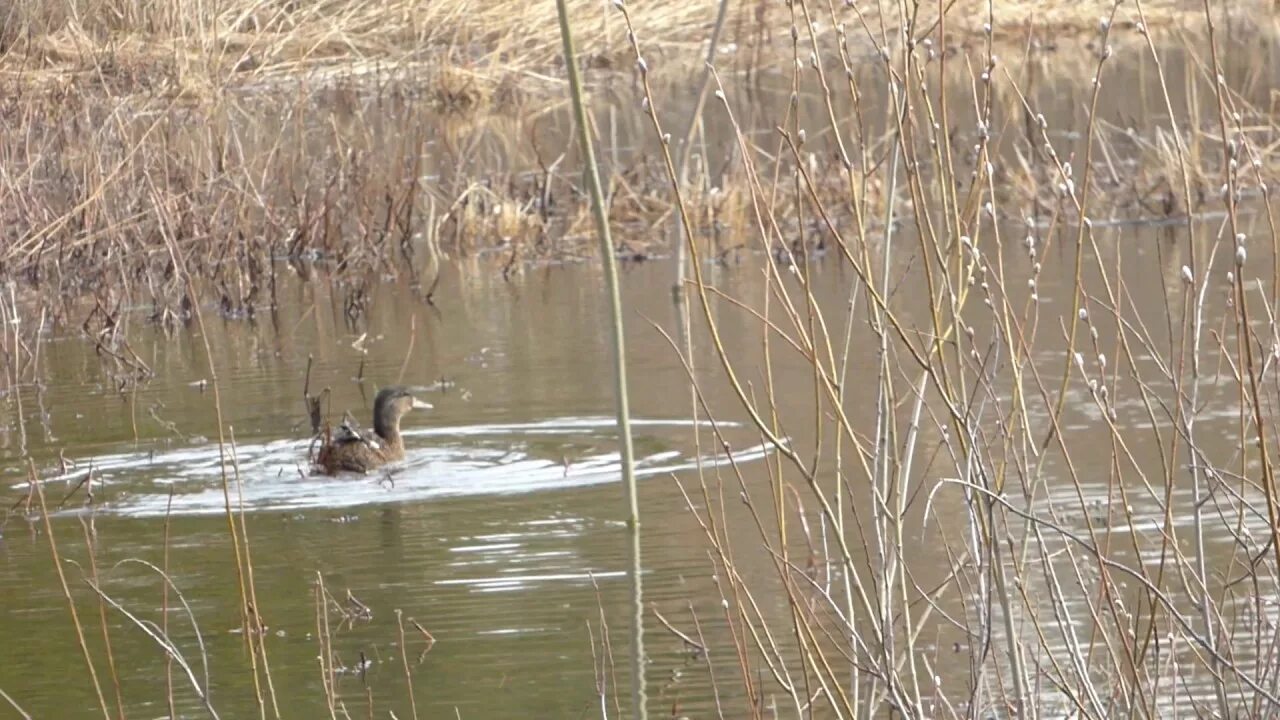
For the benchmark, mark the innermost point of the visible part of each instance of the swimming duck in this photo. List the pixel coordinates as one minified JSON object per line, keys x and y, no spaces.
{"x":350,"y":448}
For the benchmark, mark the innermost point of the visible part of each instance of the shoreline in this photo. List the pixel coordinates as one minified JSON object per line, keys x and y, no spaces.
{"x":406,"y":167}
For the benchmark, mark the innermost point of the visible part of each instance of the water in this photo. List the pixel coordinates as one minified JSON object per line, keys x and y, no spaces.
{"x":551,"y":454}
{"x":490,"y":534}
{"x":502,"y":534}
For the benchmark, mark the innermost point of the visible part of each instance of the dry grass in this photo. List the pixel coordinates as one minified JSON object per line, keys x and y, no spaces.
{"x":193,"y":48}
{"x":379,"y":137}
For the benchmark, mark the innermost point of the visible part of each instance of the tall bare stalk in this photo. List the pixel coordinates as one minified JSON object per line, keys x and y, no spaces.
{"x":686,"y":145}
{"x":66,"y":589}
{"x":601,"y":214}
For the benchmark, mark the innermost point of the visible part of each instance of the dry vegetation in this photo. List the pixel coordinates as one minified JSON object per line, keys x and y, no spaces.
{"x":383,"y":137}
{"x":1092,"y":471}
{"x":197,"y":47}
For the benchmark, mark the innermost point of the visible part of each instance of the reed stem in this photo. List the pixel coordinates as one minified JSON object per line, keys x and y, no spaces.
{"x":592,"y":176}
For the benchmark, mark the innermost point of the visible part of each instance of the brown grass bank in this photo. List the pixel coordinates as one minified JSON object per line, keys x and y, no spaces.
{"x":380,"y":138}
{"x":196,"y":48}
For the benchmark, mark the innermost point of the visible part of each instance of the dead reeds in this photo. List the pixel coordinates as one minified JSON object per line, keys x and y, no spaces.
{"x":357,"y":175}
{"x":978,"y":387}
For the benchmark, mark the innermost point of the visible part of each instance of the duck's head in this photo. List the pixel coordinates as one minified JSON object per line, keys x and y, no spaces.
{"x":390,"y":405}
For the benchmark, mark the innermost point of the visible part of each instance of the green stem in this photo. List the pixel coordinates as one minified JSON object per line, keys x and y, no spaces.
{"x":592,"y":175}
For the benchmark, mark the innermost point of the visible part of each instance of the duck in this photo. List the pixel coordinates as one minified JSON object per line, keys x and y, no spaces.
{"x":352,"y":449}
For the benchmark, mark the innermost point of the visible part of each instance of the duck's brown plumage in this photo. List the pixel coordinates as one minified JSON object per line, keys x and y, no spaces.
{"x":355,"y":450}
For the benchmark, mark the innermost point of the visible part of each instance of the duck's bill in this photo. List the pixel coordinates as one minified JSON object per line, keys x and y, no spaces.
{"x":421,"y":405}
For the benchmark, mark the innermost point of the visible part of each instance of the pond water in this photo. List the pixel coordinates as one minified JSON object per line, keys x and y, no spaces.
{"x":502,"y":534}
{"x":491,"y":534}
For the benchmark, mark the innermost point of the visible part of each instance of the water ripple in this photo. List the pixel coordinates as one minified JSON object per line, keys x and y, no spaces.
{"x":502,"y":458}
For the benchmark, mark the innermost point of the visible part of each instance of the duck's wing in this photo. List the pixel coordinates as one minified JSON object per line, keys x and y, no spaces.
{"x":349,"y":432}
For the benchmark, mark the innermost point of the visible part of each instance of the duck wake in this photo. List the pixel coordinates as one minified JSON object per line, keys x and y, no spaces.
{"x":504,"y":458}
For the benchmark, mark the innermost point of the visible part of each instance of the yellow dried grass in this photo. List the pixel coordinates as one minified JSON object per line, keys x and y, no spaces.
{"x":255,"y":40}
